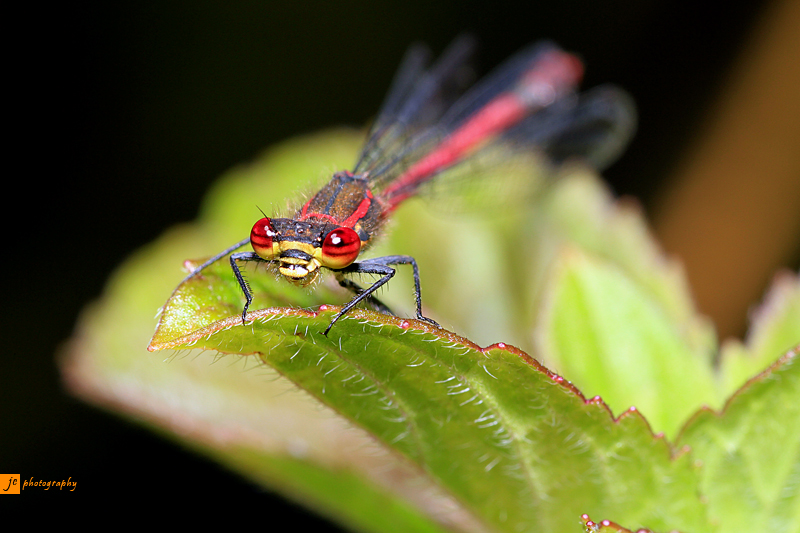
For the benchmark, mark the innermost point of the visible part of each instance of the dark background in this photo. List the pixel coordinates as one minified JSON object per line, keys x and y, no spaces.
{"x":124,"y":112}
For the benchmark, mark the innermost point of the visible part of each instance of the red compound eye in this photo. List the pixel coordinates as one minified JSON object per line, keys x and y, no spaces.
{"x":340,"y":248}
{"x":261,"y":238}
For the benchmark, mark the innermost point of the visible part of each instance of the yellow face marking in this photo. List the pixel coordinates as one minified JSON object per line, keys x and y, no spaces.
{"x":297,"y":269}
{"x":306,"y":247}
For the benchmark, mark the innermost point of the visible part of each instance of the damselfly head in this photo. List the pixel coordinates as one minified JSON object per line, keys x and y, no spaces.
{"x":300,"y":248}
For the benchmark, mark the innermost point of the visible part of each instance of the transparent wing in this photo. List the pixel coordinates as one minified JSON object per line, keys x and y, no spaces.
{"x":594,"y":126}
{"x":428,"y":108}
{"x":416,"y":100}
{"x":503,"y":78}
{"x":425,"y":106}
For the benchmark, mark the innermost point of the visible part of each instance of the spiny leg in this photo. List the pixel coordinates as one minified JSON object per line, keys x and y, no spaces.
{"x":355,"y":288}
{"x":404,"y":260}
{"x":382,"y":267}
{"x":248,"y":293}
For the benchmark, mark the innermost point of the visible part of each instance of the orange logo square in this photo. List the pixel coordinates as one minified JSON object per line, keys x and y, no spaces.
{"x":9,"y":484}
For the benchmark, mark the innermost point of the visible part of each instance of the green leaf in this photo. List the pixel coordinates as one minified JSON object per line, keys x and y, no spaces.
{"x":602,"y":325}
{"x":613,"y":313}
{"x":511,"y":441}
{"x":775,"y":328}
{"x":749,"y":455}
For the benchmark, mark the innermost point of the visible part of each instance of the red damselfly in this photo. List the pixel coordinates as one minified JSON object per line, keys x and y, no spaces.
{"x":424,"y":128}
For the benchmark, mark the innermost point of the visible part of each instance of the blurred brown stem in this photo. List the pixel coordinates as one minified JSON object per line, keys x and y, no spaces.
{"x":733,"y":212}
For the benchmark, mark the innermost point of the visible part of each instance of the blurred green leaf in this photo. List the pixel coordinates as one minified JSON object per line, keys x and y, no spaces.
{"x":613,"y":313}
{"x":603,"y":326}
{"x":775,"y":328}
{"x":749,"y":455}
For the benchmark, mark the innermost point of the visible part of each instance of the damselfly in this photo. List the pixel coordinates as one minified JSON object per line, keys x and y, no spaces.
{"x":423,"y":129}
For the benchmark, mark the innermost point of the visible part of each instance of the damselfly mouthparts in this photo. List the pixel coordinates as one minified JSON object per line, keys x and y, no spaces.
{"x":424,"y":128}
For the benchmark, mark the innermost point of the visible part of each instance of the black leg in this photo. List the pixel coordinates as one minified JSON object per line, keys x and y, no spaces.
{"x":214,"y":259}
{"x":382,"y":267}
{"x":355,"y":288}
{"x":248,"y":294}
